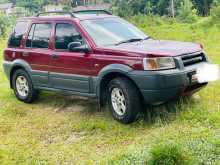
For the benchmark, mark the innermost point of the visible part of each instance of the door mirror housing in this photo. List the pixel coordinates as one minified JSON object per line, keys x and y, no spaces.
{"x":78,"y":47}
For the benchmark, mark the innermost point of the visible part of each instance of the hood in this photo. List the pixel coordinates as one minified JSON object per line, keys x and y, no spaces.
{"x":158,"y":47}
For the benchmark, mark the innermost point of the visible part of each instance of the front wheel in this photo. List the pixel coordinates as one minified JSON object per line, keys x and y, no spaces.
{"x":124,"y":100}
{"x":23,"y":87}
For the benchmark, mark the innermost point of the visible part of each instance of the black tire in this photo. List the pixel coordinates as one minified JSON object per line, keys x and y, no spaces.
{"x":132,"y":100}
{"x":31,"y":94}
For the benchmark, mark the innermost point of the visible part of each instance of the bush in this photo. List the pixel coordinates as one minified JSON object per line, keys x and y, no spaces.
{"x":215,"y":14}
{"x":168,"y":154}
{"x":186,"y":14}
{"x":3,"y":24}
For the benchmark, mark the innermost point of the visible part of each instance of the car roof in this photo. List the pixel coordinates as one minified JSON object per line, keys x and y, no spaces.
{"x":93,"y":16}
{"x":77,"y":16}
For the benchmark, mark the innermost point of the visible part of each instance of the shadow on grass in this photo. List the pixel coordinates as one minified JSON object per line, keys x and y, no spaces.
{"x":66,"y":103}
{"x":164,"y":113}
{"x":169,"y":111}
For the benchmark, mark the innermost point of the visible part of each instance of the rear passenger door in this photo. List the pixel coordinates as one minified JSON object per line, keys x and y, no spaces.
{"x":69,"y":70}
{"x":37,"y":52}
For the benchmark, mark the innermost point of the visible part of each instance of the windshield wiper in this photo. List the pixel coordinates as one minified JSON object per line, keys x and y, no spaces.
{"x":146,"y":38}
{"x":130,"y":40}
{"x":133,"y":40}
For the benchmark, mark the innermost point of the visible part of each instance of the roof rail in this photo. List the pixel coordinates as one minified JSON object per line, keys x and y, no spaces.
{"x":56,"y":12}
{"x":92,"y":11}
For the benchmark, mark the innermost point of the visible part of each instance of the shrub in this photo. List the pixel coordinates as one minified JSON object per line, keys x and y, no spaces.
{"x":168,"y":154}
{"x":3,"y":24}
{"x":215,"y":14}
{"x":186,"y":14}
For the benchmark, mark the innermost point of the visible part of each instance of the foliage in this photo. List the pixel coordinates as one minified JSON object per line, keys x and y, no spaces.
{"x":127,"y":8}
{"x":4,"y":23}
{"x":215,"y":14}
{"x":186,"y":12}
{"x":163,"y":7}
{"x":33,"y":6}
{"x":3,"y":1}
{"x":202,"y":6}
{"x":216,"y":2}
{"x":168,"y":154}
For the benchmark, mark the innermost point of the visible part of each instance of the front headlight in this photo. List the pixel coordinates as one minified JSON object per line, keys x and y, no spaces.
{"x":158,"y":63}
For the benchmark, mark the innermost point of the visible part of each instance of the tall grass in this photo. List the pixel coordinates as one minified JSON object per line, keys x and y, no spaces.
{"x":169,"y":154}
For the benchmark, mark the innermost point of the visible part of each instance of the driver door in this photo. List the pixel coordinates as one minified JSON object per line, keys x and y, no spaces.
{"x":69,"y":70}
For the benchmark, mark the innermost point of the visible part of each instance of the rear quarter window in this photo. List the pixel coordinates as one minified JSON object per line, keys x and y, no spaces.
{"x":39,"y":35}
{"x":17,"y":34}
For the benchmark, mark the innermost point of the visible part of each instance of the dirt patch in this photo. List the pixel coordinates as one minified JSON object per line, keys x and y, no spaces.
{"x":74,"y":137}
{"x":70,"y":139}
{"x":75,"y":108}
{"x":76,"y":104}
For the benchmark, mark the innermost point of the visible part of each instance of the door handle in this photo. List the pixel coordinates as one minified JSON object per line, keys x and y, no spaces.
{"x":26,"y":54}
{"x":55,"y":56}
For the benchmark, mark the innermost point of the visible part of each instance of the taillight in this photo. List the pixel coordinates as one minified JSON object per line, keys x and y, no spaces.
{"x":4,"y":55}
{"x":201,"y":45}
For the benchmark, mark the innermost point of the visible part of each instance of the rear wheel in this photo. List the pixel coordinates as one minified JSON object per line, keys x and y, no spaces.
{"x":124,"y":100}
{"x":23,"y":87}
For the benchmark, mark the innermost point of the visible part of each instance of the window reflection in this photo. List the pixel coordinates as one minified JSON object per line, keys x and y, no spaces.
{"x":65,"y":34}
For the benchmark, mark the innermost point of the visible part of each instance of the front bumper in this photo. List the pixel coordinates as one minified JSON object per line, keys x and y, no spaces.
{"x":158,"y":87}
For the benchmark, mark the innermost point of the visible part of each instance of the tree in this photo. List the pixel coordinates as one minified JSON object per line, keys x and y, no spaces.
{"x":148,"y":8}
{"x":3,"y":1}
{"x":215,"y":14}
{"x":161,"y":7}
{"x":216,"y":3}
{"x":121,"y":8}
{"x":172,"y":8}
{"x":186,"y":12}
{"x":4,"y":23}
{"x":156,"y":7}
{"x":203,"y":6}
{"x":33,"y":6}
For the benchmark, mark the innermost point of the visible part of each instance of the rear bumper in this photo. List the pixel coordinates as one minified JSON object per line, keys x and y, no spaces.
{"x":7,"y":66}
{"x":158,"y":87}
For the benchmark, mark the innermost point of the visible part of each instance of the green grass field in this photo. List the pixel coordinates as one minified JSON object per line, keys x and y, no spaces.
{"x":68,"y":130}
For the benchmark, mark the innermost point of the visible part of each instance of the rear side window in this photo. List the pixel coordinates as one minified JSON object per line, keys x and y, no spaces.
{"x":17,"y":34}
{"x":39,"y":35}
{"x":65,"y":34}
{"x":30,"y":36}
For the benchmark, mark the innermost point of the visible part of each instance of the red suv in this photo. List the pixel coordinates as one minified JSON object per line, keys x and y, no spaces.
{"x":96,"y":54}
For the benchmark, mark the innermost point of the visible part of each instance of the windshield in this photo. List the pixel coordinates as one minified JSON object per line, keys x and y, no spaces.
{"x":111,"y":31}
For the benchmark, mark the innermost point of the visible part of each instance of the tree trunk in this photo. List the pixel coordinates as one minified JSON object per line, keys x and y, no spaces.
{"x":172,"y":8}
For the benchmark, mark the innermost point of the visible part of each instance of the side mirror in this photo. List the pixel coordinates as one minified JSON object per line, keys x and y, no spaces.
{"x":78,"y":47}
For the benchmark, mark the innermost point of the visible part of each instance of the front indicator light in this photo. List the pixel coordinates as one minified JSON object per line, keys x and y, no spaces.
{"x":158,"y":63}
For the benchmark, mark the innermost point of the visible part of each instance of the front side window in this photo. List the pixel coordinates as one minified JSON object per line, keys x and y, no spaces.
{"x":39,"y":36}
{"x":17,"y":34}
{"x":110,"y":31}
{"x":65,"y":34}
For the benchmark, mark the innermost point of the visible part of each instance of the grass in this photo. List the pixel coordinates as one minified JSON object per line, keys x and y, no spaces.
{"x":61,"y":129}
{"x":171,"y":154}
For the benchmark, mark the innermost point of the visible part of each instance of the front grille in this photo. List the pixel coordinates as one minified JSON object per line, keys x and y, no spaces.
{"x":191,"y":59}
